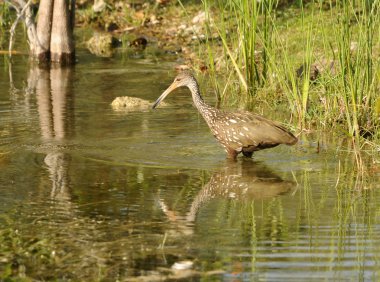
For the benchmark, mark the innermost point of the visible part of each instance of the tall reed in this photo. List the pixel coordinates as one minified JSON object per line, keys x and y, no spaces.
{"x":242,"y":27}
{"x":293,"y":73}
{"x":358,"y":86}
{"x":264,"y":54}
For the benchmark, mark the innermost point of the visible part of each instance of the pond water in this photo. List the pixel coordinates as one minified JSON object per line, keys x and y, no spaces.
{"x":89,"y":193}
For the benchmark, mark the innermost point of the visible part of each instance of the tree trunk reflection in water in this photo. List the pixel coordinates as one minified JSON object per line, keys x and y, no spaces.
{"x":54,"y":100}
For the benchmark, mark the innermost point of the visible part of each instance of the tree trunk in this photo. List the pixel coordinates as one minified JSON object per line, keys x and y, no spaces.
{"x":44,"y":22}
{"x":61,"y":41}
{"x":52,"y":39}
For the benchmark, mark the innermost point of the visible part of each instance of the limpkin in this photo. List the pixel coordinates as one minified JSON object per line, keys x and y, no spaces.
{"x":237,"y":132}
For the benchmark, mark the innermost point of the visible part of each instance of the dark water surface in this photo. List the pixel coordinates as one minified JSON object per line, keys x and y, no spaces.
{"x":89,"y":193}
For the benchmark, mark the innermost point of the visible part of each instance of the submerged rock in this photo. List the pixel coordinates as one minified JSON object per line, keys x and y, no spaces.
{"x":128,"y":104}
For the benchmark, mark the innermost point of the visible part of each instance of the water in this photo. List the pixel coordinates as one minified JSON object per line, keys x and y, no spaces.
{"x":89,"y":193}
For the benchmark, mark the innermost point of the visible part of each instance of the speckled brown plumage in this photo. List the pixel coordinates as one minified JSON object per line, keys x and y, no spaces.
{"x":237,"y":132}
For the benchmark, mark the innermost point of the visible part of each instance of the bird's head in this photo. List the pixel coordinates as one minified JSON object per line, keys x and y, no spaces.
{"x":184,"y":78}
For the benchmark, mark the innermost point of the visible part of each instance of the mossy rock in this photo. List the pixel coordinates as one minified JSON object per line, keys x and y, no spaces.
{"x":102,"y":44}
{"x":129,"y":104}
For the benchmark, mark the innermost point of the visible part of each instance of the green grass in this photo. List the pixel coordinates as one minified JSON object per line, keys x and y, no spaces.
{"x":5,"y":23}
{"x":261,"y":59}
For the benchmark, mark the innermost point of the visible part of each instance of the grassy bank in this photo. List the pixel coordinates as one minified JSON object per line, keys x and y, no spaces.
{"x":321,"y":58}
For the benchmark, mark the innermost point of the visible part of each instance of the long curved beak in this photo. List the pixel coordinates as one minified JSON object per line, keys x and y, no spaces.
{"x":163,"y":95}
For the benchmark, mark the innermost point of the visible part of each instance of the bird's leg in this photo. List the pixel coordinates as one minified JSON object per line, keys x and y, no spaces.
{"x":231,"y":153}
{"x":247,"y":154}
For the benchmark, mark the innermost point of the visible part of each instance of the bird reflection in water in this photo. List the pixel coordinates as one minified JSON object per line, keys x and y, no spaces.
{"x":247,"y":180}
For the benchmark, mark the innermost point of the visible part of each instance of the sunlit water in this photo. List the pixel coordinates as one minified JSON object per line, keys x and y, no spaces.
{"x":89,"y":193}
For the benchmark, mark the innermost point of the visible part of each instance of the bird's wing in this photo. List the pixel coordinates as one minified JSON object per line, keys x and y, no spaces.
{"x":244,"y":129}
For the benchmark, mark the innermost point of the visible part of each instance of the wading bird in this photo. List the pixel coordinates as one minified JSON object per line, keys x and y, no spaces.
{"x":237,"y":132}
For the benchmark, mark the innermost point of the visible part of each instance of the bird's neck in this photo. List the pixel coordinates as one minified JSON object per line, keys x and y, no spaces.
{"x":205,"y":110}
{"x":196,"y":94}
